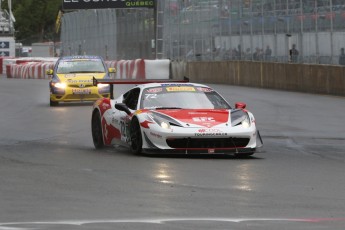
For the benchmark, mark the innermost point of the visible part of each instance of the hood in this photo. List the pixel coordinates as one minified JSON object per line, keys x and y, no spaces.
{"x":205,"y":117}
{"x":80,"y":78}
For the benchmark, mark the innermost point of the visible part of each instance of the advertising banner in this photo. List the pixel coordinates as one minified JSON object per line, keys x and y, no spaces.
{"x":102,"y":4}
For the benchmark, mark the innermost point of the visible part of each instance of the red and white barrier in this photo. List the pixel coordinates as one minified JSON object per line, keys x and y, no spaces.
{"x":128,"y":69}
{"x":141,"y":69}
{"x":5,"y":61}
{"x":31,"y":68}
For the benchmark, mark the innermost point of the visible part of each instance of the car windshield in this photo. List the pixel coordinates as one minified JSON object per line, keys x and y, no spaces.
{"x":80,"y":66}
{"x":182,"y":96}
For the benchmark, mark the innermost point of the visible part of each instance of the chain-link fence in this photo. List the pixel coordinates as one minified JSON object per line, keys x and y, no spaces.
{"x":303,"y":31}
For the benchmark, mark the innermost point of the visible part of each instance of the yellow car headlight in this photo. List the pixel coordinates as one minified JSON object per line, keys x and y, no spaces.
{"x":100,"y":85}
{"x":60,"y":85}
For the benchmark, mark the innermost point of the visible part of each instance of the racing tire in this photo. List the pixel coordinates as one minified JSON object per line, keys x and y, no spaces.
{"x":135,"y":137}
{"x":53,"y":103}
{"x":96,"y":130}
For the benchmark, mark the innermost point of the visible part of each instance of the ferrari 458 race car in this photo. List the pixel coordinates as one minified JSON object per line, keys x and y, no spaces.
{"x":71,"y":79}
{"x":174,"y":117}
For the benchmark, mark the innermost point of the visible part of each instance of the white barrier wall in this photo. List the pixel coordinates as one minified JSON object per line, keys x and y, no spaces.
{"x":157,"y":69}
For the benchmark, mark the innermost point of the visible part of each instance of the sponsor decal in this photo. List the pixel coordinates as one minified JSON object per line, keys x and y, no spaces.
{"x":105,"y":106}
{"x":203,"y":119}
{"x":69,"y":75}
{"x":175,"y":84}
{"x":155,"y":90}
{"x":81,"y":91}
{"x":79,"y":81}
{"x":203,"y":89}
{"x":210,"y":132}
{"x":180,"y":88}
{"x":155,"y":135}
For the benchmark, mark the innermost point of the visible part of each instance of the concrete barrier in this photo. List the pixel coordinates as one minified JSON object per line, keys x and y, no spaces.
{"x":318,"y":79}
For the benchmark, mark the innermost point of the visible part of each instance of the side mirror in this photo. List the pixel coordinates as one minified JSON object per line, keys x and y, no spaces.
{"x":50,"y":72}
{"x":240,"y":105}
{"x":122,"y":107}
{"x":112,"y":70}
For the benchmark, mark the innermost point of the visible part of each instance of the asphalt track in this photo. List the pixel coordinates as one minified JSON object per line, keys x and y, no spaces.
{"x":53,"y":178}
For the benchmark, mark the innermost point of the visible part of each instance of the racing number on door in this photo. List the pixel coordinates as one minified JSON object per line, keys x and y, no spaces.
{"x":125,"y":136}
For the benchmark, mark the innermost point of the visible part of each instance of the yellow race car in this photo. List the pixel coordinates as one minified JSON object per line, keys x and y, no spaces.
{"x":71,"y":79}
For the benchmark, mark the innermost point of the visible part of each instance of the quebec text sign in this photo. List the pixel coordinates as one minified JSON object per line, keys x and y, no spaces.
{"x":101,"y":4}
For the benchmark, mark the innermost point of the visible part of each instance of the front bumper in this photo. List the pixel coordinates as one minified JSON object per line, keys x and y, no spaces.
{"x":235,"y":151}
{"x":78,"y":94}
{"x":223,"y":141}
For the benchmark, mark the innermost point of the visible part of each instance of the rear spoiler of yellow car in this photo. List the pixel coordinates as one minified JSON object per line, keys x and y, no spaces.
{"x":113,"y":82}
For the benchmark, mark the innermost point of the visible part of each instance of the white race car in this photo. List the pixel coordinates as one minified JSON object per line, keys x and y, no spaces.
{"x":173,"y":117}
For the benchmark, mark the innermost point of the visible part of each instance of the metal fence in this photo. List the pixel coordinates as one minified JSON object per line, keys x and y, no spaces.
{"x":257,"y":30}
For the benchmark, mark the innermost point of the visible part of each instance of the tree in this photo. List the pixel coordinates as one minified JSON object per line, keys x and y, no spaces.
{"x":35,"y":20}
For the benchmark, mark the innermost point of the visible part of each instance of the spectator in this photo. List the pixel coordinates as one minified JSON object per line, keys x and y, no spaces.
{"x":294,"y":54}
{"x":342,"y":57}
{"x":239,"y":52}
{"x":268,"y":53}
{"x":258,"y":54}
{"x":248,"y":54}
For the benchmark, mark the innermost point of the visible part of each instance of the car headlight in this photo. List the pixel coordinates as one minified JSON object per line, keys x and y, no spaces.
{"x":163,"y":121}
{"x":100,"y":85}
{"x":239,"y":117}
{"x":60,"y":85}
{"x":165,"y":125}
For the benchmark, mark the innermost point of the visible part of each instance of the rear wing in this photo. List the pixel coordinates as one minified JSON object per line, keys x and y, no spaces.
{"x":113,"y":82}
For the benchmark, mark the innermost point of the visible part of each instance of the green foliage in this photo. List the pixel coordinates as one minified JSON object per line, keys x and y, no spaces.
{"x":35,"y":20}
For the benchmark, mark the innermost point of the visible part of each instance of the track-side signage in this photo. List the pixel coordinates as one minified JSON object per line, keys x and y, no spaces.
{"x":4,"y":53}
{"x":4,"y":45}
{"x":101,"y":4}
